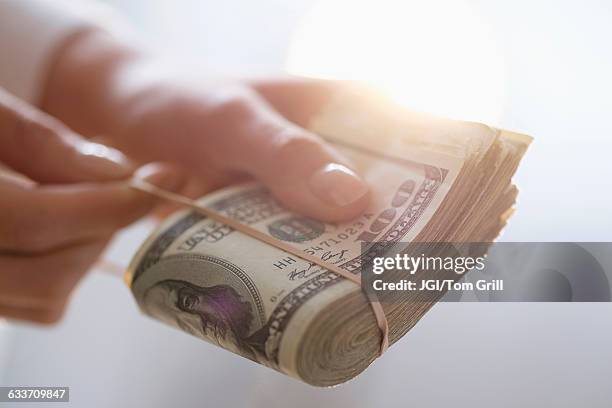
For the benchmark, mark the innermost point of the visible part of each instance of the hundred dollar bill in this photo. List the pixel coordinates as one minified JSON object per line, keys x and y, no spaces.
{"x":262,"y":303}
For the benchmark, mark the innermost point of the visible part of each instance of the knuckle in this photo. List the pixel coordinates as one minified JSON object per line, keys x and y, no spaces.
{"x":296,"y":147}
{"x":233,"y":104}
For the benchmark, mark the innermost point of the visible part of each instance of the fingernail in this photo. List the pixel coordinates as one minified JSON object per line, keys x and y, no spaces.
{"x":160,"y":175}
{"x":104,"y":160}
{"x":337,"y":184}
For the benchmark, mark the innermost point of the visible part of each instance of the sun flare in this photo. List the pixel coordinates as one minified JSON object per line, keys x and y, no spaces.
{"x":435,"y":56}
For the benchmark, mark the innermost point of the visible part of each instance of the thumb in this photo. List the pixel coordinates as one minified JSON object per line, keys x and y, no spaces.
{"x":306,"y":174}
{"x":310,"y":176}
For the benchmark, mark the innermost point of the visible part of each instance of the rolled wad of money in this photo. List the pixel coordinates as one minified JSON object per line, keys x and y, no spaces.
{"x":432,"y":180}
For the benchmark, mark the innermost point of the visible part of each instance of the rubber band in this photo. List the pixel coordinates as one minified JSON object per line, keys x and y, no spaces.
{"x":379,"y":313}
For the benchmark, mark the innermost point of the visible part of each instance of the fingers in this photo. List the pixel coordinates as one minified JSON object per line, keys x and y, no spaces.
{"x":11,"y":176}
{"x":43,"y":149}
{"x":51,"y":235}
{"x":300,"y":99}
{"x":47,"y":315}
{"x":194,"y":188}
{"x":37,"y":288}
{"x":308,"y":176}
{"x":43,"y":218}
{"x":301,"y":170}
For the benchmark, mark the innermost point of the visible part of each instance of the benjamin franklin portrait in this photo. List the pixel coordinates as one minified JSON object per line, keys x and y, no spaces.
{"x":216,"y":313}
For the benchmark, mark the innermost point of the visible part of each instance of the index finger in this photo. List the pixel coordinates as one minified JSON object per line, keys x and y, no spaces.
{"x":49,"y":217}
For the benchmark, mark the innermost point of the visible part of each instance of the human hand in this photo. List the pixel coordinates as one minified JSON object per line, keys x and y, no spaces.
{"x":228,"y":133}
{"x":220,"y":133}
{"x":62,"y":198}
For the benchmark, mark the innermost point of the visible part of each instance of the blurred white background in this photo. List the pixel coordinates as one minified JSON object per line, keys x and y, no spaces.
{"x":542,"y":68}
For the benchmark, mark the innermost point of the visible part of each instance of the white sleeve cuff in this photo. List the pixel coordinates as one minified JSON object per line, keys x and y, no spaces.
{"x":30,"y":32}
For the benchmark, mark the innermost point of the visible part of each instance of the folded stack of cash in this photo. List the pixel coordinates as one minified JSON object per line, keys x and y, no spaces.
{"x":432,"y":180}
